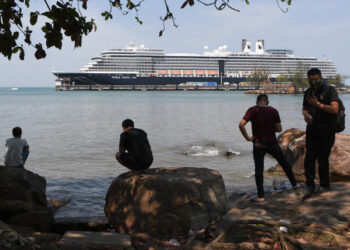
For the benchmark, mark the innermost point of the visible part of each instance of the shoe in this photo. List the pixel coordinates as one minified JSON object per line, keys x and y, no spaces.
{"x":309,"y":190}
{"x":321,"y":189}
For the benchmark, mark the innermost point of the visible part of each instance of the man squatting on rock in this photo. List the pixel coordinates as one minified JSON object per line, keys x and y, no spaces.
{"x":17,"y":149}
{"x":320,"y":108}
{"x":134,"y":149}
{"x":265,"y":123}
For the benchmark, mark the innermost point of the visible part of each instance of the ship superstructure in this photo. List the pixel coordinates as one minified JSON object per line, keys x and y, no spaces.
{"x":140,"y":65}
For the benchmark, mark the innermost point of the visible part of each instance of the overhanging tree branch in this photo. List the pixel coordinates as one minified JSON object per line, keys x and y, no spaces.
{"x":63,"y":19}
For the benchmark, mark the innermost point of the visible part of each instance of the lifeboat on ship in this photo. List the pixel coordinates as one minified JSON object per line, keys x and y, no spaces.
{"x":163,"y":72}
{"x":188,"y":73}
{"x":175,"y":72}
{"x":213,"y":73}
{"x":201,"y":73}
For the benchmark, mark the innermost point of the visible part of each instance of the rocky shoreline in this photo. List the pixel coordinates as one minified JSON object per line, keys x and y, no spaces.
{"x":184,"y":208}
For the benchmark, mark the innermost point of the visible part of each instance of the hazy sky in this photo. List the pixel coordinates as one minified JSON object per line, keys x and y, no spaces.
{"x":310,"y":28}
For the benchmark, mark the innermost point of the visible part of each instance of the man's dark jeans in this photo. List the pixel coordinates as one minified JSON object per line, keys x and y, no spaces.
{"x":259,"y":154}
{"x":319,"y":143}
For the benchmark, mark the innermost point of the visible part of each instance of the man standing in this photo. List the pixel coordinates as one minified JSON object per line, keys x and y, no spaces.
{"x":134,"y":149}
{"x":320,"y":107}
{"x":265,"y":123}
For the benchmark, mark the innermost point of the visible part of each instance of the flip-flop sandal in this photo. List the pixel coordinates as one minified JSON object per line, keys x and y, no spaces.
{"x":257,"y":201}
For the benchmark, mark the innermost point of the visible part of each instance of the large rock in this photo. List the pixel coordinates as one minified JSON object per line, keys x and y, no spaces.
{"x":339,"y":159}
{"x":23,"y":198}
{"x":292,"y":142}
{"x":165,"y":202}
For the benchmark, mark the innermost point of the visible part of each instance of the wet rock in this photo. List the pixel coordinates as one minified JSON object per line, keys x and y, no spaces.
{"x":56,"y":204}
{"x":23,"y":198}
{"x":165,"y":202}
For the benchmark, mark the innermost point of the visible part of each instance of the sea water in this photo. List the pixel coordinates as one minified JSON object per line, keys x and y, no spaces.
{"x":73,"y":135}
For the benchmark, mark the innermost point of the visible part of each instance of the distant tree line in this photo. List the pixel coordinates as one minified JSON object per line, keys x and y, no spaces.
{"x":298,"y":78}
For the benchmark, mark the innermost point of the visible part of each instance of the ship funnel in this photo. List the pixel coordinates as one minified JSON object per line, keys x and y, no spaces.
{"x":246,"y":46}
{"x":259,"y":47}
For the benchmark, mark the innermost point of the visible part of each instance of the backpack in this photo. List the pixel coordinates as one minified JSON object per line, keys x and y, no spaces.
{"x":340,"y":117}
{"x":340,"y":123}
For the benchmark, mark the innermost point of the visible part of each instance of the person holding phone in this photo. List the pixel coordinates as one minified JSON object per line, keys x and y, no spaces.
{"x":320,"y":107}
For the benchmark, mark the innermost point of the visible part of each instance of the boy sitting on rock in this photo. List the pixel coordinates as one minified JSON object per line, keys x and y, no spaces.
{"x":17,"y":149}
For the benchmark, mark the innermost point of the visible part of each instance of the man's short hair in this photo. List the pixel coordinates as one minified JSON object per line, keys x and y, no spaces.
{"x":262,"y":97}
{"x":314,"y":71}
{"x":127,"y":123}
{"x":16,"y":131}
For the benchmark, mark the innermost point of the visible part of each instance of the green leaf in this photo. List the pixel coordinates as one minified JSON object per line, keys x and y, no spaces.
{"x":39,"y":53}
{"x":15,"y":50}
{"x":47,"y":27}
{"x":15,"y":35}
{"x":21,"y":55}
{"x":138,"y":20}
{"x":33,"y":18}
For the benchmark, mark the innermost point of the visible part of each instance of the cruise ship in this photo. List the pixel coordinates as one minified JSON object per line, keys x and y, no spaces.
{"x":138,"y":65}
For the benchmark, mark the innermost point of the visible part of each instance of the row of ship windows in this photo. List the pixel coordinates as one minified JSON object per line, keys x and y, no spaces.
{"x":114,"y":62}
{"x":214,"y":63}
{"x":157,"y":57}
{"x":160,"y":60}
{"x":270,"y":71}
{"x":210,"y":66}
{"x":241,"y":67}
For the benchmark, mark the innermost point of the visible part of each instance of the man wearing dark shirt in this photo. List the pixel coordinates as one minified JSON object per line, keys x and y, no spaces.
{"x":265,"y":123}
{"x":134,"y":149}
{"x":320,"y":107}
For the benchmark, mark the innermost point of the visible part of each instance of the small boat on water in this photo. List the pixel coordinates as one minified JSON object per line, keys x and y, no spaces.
{"x":14,"y":88}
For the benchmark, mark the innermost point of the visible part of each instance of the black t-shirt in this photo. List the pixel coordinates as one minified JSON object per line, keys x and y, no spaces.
{"x":136,"y":143}
{"x":325,"y":95}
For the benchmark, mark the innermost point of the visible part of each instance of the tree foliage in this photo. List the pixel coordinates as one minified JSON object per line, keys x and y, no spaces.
{"x":64,"y":18}
{"x":298,"y":77}
{"x":338,"y":81}
{"x":257,"y":77}
{"x":282,"y":78}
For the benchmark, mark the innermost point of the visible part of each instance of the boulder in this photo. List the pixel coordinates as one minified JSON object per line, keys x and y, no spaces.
{"x":165,"y":202}
{"x":23,"y":198}
{"x":339,"y":160}
{"x":292,"y":142}
{"x":288,"y":136}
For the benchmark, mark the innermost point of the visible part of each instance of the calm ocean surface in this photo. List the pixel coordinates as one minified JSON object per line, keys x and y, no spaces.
{"x":73,"y":136}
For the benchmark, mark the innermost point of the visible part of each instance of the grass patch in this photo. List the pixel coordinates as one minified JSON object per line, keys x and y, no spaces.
{"x":327,"y":238}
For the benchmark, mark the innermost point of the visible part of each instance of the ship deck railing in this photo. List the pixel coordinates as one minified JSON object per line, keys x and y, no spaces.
{"x":171,"y":87}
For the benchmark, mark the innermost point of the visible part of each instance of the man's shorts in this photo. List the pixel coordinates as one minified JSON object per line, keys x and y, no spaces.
{"x":130,"y":162}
